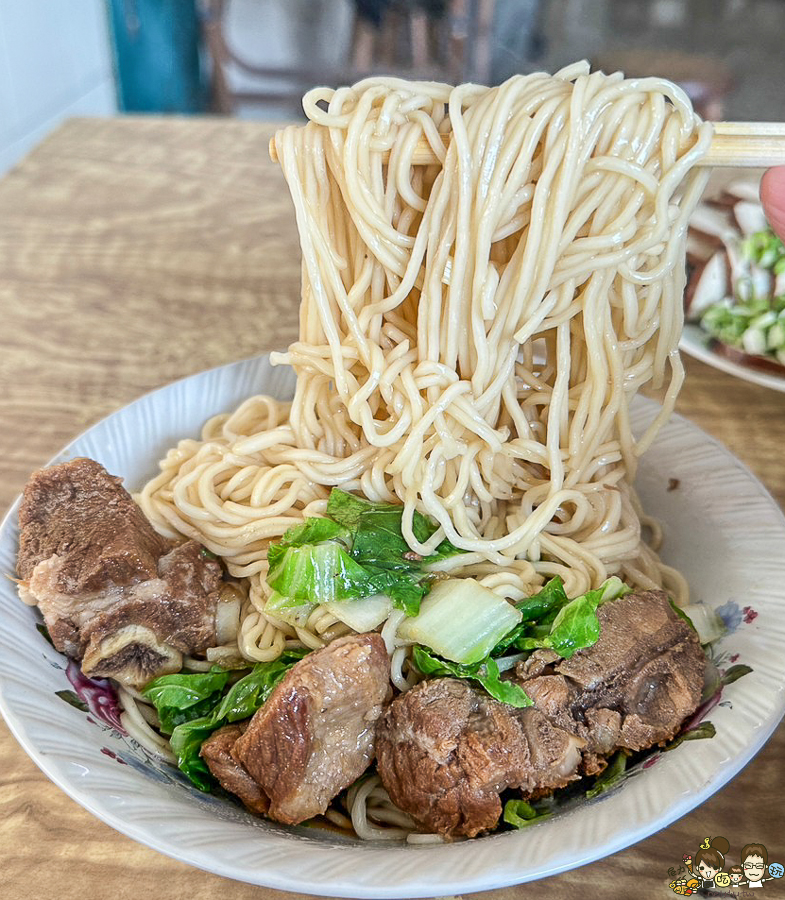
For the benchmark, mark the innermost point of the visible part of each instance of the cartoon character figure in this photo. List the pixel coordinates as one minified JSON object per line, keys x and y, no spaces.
{"x":754,"y":862}
{"x":685,"y":886}
{"x":736,"y":875}
{"x":709,"y":860}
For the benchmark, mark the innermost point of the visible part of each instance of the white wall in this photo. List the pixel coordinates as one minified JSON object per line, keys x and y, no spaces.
{"x":55,"y":62}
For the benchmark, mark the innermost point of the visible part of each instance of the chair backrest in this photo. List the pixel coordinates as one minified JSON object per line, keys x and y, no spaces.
{"x":426,"y":39}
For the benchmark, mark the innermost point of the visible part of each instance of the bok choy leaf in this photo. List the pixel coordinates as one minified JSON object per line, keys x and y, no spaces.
{"x":315,"y":573}
{"x":316,"y":531}
{"x":539,"y":609}
{"x":356,"y":551}
{"x":550,"y":620}
{"x":185,"y":696}
{"x":250,"y":693}
{"x":461,"y":620}
{"x":575,"y":625}
{"x":485,"y":673}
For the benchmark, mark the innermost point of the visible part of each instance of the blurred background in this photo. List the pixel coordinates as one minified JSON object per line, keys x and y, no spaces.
{"x":254,"y":58}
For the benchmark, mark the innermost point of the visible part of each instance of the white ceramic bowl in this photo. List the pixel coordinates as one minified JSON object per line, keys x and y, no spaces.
{"x":722,"y":529}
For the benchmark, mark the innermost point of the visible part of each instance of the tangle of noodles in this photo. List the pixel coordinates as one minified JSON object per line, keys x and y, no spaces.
{"x":472,"y":332}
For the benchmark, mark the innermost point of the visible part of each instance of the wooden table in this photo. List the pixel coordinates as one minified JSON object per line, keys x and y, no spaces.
{"x":134,"y":252}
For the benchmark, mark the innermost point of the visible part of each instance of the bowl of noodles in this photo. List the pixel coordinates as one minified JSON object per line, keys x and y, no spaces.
{"x":473,"y":332}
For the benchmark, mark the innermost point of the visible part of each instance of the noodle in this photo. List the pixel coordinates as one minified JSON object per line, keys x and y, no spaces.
{"x":369,"y":802}
{"x":134,"y":718}
{"x":472,"y":333}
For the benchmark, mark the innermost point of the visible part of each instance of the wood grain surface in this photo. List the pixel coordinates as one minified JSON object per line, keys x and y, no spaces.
{"x":134,"y":251}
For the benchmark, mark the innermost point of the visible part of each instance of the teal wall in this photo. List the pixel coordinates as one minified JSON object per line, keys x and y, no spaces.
{"x":157,"y":56}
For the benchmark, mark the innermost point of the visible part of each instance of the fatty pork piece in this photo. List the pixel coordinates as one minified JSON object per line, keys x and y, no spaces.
{"x":313,"y":737}
{"x":632,"y":689}
{"x":231,"y":774}
{"x":445,"y":751}
{"x":113,"y":593}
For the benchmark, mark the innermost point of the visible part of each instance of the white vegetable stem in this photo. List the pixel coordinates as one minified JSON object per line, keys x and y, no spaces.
{"x":461,"y":620}
{"x":707,"y":623}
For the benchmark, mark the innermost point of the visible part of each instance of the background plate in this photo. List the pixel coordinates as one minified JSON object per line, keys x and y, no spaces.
{"x":695,"y":342}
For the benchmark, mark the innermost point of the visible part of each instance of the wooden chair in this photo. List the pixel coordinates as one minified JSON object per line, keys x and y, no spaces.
{"x":406,"y":41}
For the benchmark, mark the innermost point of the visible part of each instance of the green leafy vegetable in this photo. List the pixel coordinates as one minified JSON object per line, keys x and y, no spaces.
{"x":485,"y":673}
{"x":378,"y":540}
{"x":73,"y":699}
{"x":346,"y":509}
{"x":681,"y":614}
{"x":540,"y":608}
{"x":405,"y":593}
{"x":363,"y":615}
{"x":550,"y":620}
{"x":358,"y":515}
{"x":182,"y":697}
{"x":198,"y":704}
{"x":576,"y":626}
{"x":44,"y":632}
{"x":506,"y":691}
{"x":316,"y":531}
{"x":613,"y":774}
{"x":377,"y":533}
{"x":251,"y":692}
{"x":314,"y":573}
{"x":461,"y":620}
{"x":186,"y":742}
{"x":549,"y":600}
{"x":573,"y":627}
{"x":327,"y":574}
{"x":708,"y":625}
{"x":520,"y":813}
{"x":290,"y":609}
{"x":357,"y":551}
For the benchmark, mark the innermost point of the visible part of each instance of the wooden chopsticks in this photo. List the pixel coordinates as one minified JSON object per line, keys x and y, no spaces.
{"x":734,"y":144}
{"x":747,"y":145}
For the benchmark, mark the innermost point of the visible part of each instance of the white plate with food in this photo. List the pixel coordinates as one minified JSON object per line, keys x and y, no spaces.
{"x":721,"y":529}
{"x":734,"y":307}
{"x":406,"y":625}
{"x":696,"y":342}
